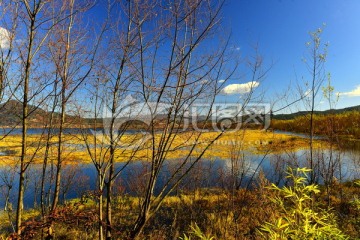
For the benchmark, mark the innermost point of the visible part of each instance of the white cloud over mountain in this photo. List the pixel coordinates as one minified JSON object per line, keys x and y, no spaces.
{"x":353,"y":93}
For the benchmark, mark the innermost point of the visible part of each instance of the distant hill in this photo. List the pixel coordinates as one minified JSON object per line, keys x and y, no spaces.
{"x":11,"y":115}
{"x":302,"y":113}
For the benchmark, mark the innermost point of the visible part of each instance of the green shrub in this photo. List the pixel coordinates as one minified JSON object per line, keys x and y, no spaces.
{"x":196,"y":232}
{"x":356,"y":201}
{"x":299,"y":219}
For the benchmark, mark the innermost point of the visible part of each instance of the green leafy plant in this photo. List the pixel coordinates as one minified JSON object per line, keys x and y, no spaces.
{"x":356,"y":201}
{"x":197,"y":233}
{"x":299,"y":218}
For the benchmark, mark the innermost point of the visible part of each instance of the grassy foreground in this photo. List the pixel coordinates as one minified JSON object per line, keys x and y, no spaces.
{"x":265,"y":212}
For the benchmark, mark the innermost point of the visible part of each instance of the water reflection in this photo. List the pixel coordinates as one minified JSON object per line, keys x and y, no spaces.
{"x":222,"y":173}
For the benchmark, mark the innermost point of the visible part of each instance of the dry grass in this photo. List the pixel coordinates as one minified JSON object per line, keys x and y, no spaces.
{"x":219,"y":213}
{"x":75,"y":151}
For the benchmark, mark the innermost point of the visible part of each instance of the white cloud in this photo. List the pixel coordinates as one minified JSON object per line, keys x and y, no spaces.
{"x":354,"y":93}
{"x":221,"y":81}
{"x":4,"y":38}
{"x":240,"y":88}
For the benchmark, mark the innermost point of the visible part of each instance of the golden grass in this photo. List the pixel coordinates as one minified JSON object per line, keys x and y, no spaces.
{"x":225,"y":147}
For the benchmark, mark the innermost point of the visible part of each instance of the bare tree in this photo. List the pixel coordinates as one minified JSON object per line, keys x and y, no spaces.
{"x":315,"y":64}
{"x":330,"y":159}
{"x":97,"y":149}
{"x":34,"y":27}
{"x":172,"y":71}
{"x":73,"y":61}
{"x":32,"y":13}
{"x":108,"y":87}
{"x":45,"y":195}
{"x":157,"y":69}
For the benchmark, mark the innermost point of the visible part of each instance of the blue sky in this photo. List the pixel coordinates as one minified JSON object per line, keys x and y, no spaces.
{"x":281,"y":29}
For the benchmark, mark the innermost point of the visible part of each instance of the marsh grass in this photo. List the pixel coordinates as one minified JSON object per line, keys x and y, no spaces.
{"x":74,"y":151}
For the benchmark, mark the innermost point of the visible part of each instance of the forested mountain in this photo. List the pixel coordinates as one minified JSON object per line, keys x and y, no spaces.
{"x":325,"y":112}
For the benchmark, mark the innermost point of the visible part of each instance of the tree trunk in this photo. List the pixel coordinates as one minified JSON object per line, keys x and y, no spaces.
{"x":61,"y":127}
{"x":23,"y":164}
{"x":59,"y":160}
{"x":109,"y":199}
{"x":100,"y":210}
{"x":46,"y":157}
{"x":143,"y":216}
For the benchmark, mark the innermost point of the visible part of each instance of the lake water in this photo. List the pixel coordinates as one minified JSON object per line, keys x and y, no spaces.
{"x":78,"y":179}
{"x":38,"y":131}
{"x":303,"y":135}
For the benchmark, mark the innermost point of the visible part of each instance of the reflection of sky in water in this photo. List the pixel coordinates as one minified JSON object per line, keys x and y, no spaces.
{"x":303,"y":135}
{"x":207,"y":173}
